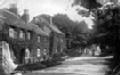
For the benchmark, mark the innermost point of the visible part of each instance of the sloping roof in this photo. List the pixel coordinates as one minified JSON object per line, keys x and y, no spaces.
{"x":54,"y":28}
{"x":37,"y":29}
{"x":45,"y":19}
{"x":10,"y":18}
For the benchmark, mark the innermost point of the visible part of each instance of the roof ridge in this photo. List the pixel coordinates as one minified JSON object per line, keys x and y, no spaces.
{"x":13,"y":14}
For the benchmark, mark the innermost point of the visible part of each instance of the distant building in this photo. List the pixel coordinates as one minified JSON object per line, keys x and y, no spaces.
{"x":57,"y":38}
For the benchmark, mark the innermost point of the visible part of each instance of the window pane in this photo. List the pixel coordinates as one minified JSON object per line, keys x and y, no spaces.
{"x":45,"y":52}
{"x":22,"y":34}
{"x":27,"y":53}
{"x":38,"y":38}
{"x":38,"y":53}
{"x":12,"y":33}
{"x":28,"y":35}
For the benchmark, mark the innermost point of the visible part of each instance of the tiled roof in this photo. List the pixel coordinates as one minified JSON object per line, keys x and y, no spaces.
{"x":10,"y":18}
{"x":46,"y":21}
{"x":37,"y":29}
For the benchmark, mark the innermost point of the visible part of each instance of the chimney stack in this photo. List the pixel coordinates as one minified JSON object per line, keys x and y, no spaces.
{"x":13,"y":8}
{"x":26,"y":16}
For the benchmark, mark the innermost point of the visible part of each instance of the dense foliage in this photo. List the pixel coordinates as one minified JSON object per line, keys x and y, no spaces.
{"x":65,"y":24}
{"x":89,"y":4}
{"x":107,"y":28}
{"x":76,"y":31}
{"x":108,"y":25}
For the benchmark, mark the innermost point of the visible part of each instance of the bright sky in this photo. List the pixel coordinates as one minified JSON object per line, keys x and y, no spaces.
{"x":50,"y":7}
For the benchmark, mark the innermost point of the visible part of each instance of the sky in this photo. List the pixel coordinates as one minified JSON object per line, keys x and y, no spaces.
{"x":50,"y":7}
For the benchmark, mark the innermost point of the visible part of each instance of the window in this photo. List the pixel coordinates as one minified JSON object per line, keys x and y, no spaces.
{"x":12,"y":33}
{"x":22,"y":35}
{"x":61,"y":49}
{"x":28,"y":35}
{"x":38,"y":38}
{"x":45,"y":52}
{"x":61,"y":40}
{"x":56,"y":50}
{"x":27,"y":53}
{"x":38,"y":53}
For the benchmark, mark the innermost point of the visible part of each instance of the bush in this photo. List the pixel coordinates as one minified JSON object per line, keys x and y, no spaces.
{"x":30,"y":67}
{"x":73,"y":52}
{"x":50,"y":63}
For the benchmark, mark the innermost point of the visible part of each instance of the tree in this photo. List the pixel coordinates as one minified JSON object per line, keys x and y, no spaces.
{"x":77,"y":30}
{"x":63,"y":22}
{"x":108,"y":29}
{"x":89,"y":4}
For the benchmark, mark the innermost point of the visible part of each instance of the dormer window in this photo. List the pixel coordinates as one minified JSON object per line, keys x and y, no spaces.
{"x":12,"y":33}
{"x":22,"y":34}
{"x":38,"y":39}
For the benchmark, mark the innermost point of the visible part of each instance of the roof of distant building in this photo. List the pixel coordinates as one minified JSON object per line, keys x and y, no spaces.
{"x":37,"y":29}
{"x":46,"y":20}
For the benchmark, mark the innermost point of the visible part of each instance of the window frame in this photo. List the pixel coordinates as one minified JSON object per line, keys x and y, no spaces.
{"x":14,"y":32}
{"x":45,"y":52}
{"x":23,"y":35}
{"x":38,"y":51}
{"x":27,"y":53}
{"x":29,"y":35}
{"x":38,"y":38}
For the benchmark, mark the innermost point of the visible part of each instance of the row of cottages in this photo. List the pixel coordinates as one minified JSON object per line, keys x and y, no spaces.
{"x":22,"y":37}
{"x":57,"y":38}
